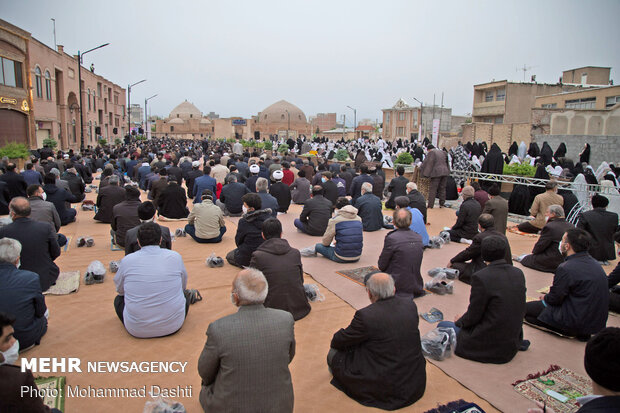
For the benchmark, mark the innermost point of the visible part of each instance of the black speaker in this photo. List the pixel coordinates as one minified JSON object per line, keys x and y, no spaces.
{"x":133,"y":132}
{"x":140,"y":131}
{"x":115,"y":131}
{"x":98,"y":130}
{"x":256,"y":134}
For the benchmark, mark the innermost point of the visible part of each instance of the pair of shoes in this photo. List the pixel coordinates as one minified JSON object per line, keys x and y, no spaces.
{"x":194,"y":296}
{"x":214,"y":261}
{"x":435,"y":242}
{"x":180,"y":232}
{"x":440,"y":287}
{"x":308,"y":252}
{"x":113,"y":266}
{"x":85,"y":241}
{"x":524,"y":345}
{"x":445,"y":235}
{"x":92,"y":278}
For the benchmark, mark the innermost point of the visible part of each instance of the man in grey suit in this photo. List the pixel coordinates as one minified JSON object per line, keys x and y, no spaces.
{"x":244,"y":364}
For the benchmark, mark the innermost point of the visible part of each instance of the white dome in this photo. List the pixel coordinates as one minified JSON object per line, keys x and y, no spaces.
{"x":185,"y":110}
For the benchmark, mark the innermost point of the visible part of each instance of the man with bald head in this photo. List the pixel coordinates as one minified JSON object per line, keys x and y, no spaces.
{"x":38,"y":239}
{"x":244,"y":364}
{"x":377,"y":360}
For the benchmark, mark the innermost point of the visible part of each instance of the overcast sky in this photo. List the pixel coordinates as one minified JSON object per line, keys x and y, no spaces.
{"x":237,"y":57}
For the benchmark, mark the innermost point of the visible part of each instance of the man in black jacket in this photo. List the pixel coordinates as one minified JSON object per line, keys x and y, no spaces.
{"x":14,"y":181}
{"x":356,"y":183}
{"x":109,"y":196}
{"x":491,"y":330}
{"x":330,"y":189}
{"x":377,"y":360}
{"x":39,"y":242}
{"x":172,"y":201}
{"x":466,"y":226}
{"x":146,"y":213}
{"x":545,"y":255}
{"x":280,"y":191}
{"x":191,"y":176}
{"x":369,"y":208}
{"x":315,"y":215}
{"x":58,"y":197}
{"x":577,"y":304}
{"x":473,"y":253}
{"x":601,"y":225}
{"x":249,"y":231}
{"x":416,"y":199}
{"x":230,"y":198}
{"x":125,"y":215}
{"x":397,"y":187}
{"x":76,"y":184}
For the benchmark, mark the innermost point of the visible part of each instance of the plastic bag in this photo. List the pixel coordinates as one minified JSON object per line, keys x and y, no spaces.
{"x":113,"y":267}
{"x":95,"y":273}
{"x":313,"y":293}
{"x":161,"y":405}
{"x":214,"y":261}
{"x":439,"y":343}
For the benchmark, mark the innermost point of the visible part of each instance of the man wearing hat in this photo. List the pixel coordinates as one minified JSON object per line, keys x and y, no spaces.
{"x":251,"y":181}
{"x":191,"y":176}
{"x":280,"y":191}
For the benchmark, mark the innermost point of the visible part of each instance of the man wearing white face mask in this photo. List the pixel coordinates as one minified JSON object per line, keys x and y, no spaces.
{"x":44,"y":211}
{"x":11,"y":378}
{"x":20,"y":295}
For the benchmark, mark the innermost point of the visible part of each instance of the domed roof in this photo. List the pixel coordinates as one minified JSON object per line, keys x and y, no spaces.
{"x":278,"y":113}
{"x":185,"y":110}
{"x":205,"y":121}
{"x":176,"y":120}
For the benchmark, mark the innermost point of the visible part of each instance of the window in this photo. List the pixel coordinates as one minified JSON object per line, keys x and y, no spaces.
{"x":549,"y":105}
{"x":38,"y":86}
{"x":488,"y":96}
{"x":99,"y":90}
{"x":48,"y":85}
{"x":499,"y":119}
{"x":584,"y":103}
{"x":88,"y":93}
{"x":400,"y":131}
{"x":11,"y":73}
{"x":171,"y":128}
{"x":611,"y":101}
{"x":487,"y":120}
{"x":401,"y":115}
{"x":115,"y":99}
{"x":501,"y":94}
{"x":387,"y":116}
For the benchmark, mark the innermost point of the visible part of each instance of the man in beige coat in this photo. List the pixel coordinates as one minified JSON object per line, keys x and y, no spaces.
{"x":541,"y":204}
{"x":206,"y":221}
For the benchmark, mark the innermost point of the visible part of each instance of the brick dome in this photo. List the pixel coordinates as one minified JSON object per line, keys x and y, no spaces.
{"x":185,"y":110}
{"x":277,"y":113}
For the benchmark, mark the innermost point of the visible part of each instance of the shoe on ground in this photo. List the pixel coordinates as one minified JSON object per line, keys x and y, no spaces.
{"x":81,"y":241}
{"x":308,"y":252}
{"x":90,"y":242}
{"x":451,"y":273}
{"x":445,"y":236}
{"x":524,"y":345}
{"x":441,"y":287}
{"x":465,"y":241}
{"x":180,"y":232}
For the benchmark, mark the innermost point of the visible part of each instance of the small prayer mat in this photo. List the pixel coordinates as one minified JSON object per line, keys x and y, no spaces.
{"x":67,"y":283}
{"x":515,"y":230}
{"x":54,"y":391}
{"x":357,"y":275}
{"x":457,"y":406}
{"x":537,"y":387}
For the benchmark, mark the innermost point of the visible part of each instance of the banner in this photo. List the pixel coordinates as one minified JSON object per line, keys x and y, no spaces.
{"x":435,"y":132}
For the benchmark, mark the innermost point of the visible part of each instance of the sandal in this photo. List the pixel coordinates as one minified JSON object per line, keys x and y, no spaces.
{"x":194,"y":296}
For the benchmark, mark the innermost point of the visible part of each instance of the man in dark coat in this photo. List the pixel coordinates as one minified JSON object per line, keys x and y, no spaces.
{"x":498,"y":207}
{"x":158,"y":186}
{"x":191,"y":176}
{"x":173,"y":201}
{"x":466,"y":226}
{"x":76,"y":184}
{"x":5,"y":198}
{"x":202,"y":183}
{"x":230,"y":197}
{"x":577,"y":304}
{"x":491,"y":330}
{"x":249,"y":231}
{"x":315,"y":215}
{"x":397,"y":187}
{"x":146,"y":212}
{"x":109,"y":196}
{"x":356,"y":183}
{"x":435,"y":167}
{"x":280,"y":191}
{"x":377,"y":360}
{"x":16,"y":184}
{"x":545,"y":256}
{"x":267,"y":200}
{"x":601,"y":225}
{"x":473,"y":253}
{"x":39,"y":242}
{"x":348,"y":178}
{"x":369,"y":208}
{"x":330,"y":189}
{"x":401,"y":256}
{"x":416,"y":199}
{"x":125,"y":215}
{"x":281,"y":265}
{"x":58,"y":197}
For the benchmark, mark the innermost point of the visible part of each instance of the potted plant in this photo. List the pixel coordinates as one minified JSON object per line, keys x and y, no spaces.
{"x":283,"y":148}
{"x":52,"y":143}
{"x":103,"y":142}
{"x":16,"y":152}
{"x":404,"y":158}
{"x":342,"y":154}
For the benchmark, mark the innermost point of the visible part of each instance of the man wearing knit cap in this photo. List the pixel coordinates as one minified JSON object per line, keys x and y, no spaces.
{"x":466,"y":226}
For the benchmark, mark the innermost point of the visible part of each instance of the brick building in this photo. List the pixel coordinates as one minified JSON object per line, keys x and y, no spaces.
{"x":323,"y":122}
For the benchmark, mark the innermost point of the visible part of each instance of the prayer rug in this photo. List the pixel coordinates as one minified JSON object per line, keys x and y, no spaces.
{"x":54,"y":391}
{"x":545,"y":329}
{"x":67,"y":283}
{"x":515,"y":230}
{"x":457,"y":406}
{"x":559,"y":382}
{"x":166,"y":219}
{"x":357,"y":275}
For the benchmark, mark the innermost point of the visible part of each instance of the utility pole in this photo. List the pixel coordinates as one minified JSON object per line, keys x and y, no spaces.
{"x":440,"y":113}
{"x":344,"y":125}
{"x":55,"y":46}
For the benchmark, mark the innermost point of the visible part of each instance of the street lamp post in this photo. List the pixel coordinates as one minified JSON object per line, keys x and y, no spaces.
{"x":80,"y":91}
{"x":420,"y":119}
{"x":146,"y":117}
{"x":288,"y":128}
{"x":129,"y":105}
{"x":354,"y":121}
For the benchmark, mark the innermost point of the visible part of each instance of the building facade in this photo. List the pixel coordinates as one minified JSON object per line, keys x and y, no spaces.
{"x":184,"y":122}
{"x":401,"y":120}
{"x":604,"y":97}
{"x":323,"y":122}
{"x":587,"y":76}
{"x":136,"y":115}
{"x":282,"y":119}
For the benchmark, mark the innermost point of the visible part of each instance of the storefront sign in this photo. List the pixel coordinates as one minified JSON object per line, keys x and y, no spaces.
{"x":10,"y":101}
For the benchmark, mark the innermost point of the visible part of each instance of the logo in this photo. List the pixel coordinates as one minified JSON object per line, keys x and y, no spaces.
{"x":10,"y":101}
{"x":25,"y":106}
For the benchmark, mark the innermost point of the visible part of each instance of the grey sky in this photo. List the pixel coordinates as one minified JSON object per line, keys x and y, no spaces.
{"x":237,"y":57}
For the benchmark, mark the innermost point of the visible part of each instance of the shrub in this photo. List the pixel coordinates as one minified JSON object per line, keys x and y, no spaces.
{"x":342,"y":154}
{"x":519,"y":170}
{"x":52,"y":143}
{"x":15,"y":151}
{"x":268,"y":146}
{"x":118,"y":141}
{"x":103,"y":142}
{"x":404,"y":158}
{"x":283,"y":148}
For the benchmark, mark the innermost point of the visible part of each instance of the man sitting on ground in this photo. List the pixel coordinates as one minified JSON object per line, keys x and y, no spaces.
{"x":230,"y":198}
{"x":249,"y":231}
{"x":347,"y":229}
{"x":498,"y":207}
{"x":577,"y":304}
{"x":21,"y":295}
{"x":39,"y":242}
{"x":473,"y":253}
{"x":417,"y":220}
{"x":316,"y":213}
{"x":206,"y":221}
{"x":416,"y":199}
{"x":601,"y":225}
{"x":397,"y":187}
{"x":125,"y":215}
{"x":300,"y":189}
{"x":281,"y":192}
{"x":204,"y":182}
{"x":466,"y":226}
{"x":545,"y":255}
{"x":43,"y":211}
{"x":377,"y":360}
{"x":283,"y":270}
{"x":267,"y":201}
{"x":369,"y":208}
{"x":401,"y":256}
{"x":146,"y":213}
{"x":58,"y":197}
{"x":152,"y":300}
{"x":172,"y":201}
{"x":539,"y":208}
{"x":491,"y":330}
{"x":244,"y":363}
{"x":330,"y":189}
{"x":108,"y":197}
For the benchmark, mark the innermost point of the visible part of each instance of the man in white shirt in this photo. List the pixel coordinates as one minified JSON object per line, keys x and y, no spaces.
{"x":152,"y":299}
